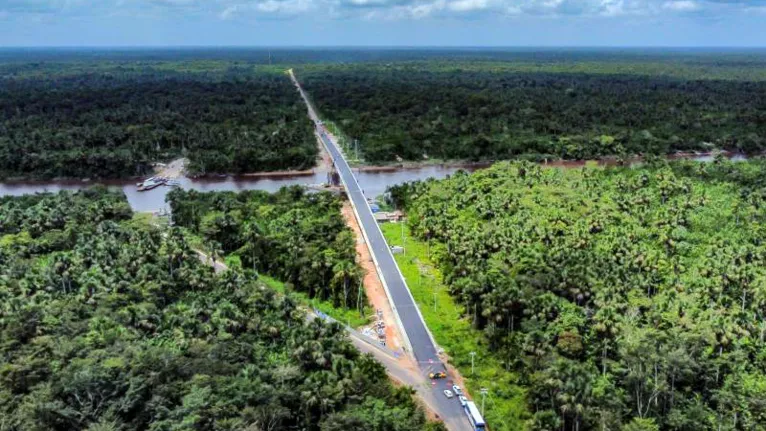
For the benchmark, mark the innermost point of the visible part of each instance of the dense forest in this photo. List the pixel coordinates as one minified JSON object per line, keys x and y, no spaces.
{"x":627,"y":298}
{"x":291,"y":235}
{"x":118,"y":123}
{"x":491,"y":111}
{"x":108,"y":323}
{"x":694,"y":63}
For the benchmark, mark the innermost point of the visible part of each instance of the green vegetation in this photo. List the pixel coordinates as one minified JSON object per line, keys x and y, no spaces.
{"x":345,"y":316}
{"x":505,"y":403}
{"x":110,"y":323}
{"x":730,"y":64}
{"x":480,"y":111}
{"x":291,"y":235}
{"x":117,"y":122}
{"x":623,"y":298}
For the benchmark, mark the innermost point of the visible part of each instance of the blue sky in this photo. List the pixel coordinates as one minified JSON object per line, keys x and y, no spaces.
{"x":383,"y":22}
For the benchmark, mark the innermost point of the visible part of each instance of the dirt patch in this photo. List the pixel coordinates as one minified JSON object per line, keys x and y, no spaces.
{"x":174,"y":169}
{"x":372,"y":285}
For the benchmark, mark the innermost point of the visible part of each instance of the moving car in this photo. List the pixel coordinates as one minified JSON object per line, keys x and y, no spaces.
{"x":439,"y":375}
{"x":448,"y":393}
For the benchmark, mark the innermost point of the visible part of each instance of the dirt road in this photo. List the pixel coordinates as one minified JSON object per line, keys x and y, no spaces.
{"x":174,"y":169}
{"x":372,"y":285}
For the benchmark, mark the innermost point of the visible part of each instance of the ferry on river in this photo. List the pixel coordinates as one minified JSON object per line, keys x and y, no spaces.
{"x":151,"y":183}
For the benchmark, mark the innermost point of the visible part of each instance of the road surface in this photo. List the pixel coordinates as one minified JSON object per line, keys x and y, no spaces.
{"x":416,"y":334}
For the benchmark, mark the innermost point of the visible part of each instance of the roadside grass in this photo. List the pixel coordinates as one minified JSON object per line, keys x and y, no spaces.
{"x":505,"y":404}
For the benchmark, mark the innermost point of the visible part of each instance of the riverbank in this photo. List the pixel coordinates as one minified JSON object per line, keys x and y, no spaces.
{"x":373,"y":182}
{"x":420,"y":165}
{"x":604,"y":161}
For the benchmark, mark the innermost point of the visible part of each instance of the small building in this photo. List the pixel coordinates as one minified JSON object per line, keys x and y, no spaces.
{"x":385,"y":217}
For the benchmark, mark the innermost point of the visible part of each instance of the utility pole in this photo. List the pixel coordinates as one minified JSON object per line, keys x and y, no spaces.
{"x":356,"y":148}
{"x":473,"y":355}
{"x":483,"y":396}
{"x":359,"y":297}
{"x":404,"y":241}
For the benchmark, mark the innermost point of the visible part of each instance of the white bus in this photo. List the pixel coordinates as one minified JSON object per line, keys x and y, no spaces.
{"x":474,"y":416}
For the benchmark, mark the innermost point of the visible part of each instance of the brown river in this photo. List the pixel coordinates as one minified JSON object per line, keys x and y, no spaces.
{"x":373,"y":184}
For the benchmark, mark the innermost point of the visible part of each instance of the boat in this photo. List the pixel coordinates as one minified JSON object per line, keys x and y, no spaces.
{"x":148,"y":180}
{"x":151,"y":183}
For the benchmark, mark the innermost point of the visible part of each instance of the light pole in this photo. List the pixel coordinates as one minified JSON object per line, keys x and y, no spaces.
{"x":473,"y":355}
{"x":483,"y":396}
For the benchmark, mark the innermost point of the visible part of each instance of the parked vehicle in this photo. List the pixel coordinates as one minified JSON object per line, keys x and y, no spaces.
{"x":463,"y":400}
{"x":448,"y":393}
{"x":439,"y":375}
{"x":456,"y":389}
{"x":474,"y":416}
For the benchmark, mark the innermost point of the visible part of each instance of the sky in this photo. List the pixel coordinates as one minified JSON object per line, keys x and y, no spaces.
{"x":271,"y":23}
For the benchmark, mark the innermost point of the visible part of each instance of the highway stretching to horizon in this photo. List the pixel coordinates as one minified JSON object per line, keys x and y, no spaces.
{"x":416,"y":334}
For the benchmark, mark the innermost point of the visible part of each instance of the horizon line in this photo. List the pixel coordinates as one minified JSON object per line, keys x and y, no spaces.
{"x":380,"y":46}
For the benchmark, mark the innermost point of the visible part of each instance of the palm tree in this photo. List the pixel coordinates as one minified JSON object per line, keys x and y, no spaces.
{"x":254,"y":237}
{"x":345,"y":272}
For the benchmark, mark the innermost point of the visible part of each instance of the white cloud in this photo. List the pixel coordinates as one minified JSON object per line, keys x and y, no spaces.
{"x":468,"y":5}
{"x":228,"y":12}
{"x":376,"y":9}
{"x":175,"y":2}
{"x":681,"y":5}
{"x":284,"y":7}
{"x":612,"y":7}
{"x":426,"y":9}
{"x":367,"y":3}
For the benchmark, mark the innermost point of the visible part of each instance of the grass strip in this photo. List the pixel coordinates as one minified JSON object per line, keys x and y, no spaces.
{"x":505,"y":404}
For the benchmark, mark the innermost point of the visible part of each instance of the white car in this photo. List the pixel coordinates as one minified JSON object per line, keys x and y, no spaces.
{"x":456,"y":389}
{"x":448,"y":393}
{"x":463,"y":400}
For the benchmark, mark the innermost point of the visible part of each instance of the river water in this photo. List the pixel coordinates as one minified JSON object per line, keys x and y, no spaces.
{"x":373,"y":184}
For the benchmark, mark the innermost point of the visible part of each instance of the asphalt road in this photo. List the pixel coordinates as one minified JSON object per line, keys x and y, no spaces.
{"x":423,"y":348}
